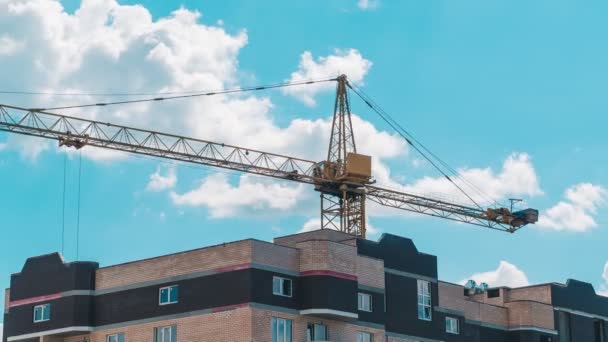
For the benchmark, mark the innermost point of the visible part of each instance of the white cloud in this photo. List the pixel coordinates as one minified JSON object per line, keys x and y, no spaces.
{"x":107,"y":47}
{"x":576,"y":212}
{"x":604,"y":287}
{"x":517,"y":177}
{"x":310,"y":225}
{"x":252,"y":193}
{"x":1,"y":330}
{"x":9,"y":46}
{"x":506,"y":274}
{"x":349,"y":62}
{"x":159,"y":182}
{"x":368,"y":4}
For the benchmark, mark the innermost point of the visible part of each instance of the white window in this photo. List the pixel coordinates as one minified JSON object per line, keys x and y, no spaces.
{"x":364,"y":337}
{"x":42,"y":313}
{"x":281,"y":286}
{"x":168,"y":295}
{"x":451,"y":325}
{"x":120,"y":337}
{"x":424,"y":300}
{"x":281,"y":330}
{"x":165,"y":334}
{"x":316,"y":332}
{"x":365,"y":302}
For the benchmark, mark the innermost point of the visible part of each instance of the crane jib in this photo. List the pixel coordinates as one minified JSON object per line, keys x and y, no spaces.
{"x":344,"y":179}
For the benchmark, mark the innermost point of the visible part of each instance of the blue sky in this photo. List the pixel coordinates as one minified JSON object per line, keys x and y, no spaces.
{"x":510,"y":92}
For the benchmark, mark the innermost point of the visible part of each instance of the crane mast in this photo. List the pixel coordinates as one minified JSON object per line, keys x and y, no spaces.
{"x":344,"y":179}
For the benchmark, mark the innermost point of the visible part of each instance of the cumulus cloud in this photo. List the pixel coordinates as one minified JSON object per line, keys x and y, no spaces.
{"x":517,"y":177}
{"x":506,"y":274}
{"x":304,"y":138}
{"x":604,"y":287}
{"x":105,"y":47}
{"x":252,"y":193}
{"x":576,"y":212}
{"x":368,"y":4}
{"x":349,"y":62}
{"x":9,"y":46}
{"x":160,"y":182}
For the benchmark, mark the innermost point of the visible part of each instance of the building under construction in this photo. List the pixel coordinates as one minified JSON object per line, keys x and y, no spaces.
{"x":323,"y":285}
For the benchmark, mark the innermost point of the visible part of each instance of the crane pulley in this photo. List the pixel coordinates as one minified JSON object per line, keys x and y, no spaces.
{"x":344,"y":179}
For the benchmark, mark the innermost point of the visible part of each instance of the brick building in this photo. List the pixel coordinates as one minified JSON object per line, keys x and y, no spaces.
{"x":316,"y":286}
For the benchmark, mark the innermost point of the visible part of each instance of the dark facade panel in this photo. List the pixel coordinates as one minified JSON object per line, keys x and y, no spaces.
{"x":326,"y":292}
{"x":532,"y":336}
{"x":65,"y":312}
{"x":47,"y":274}
{"x":378,"y":314}
{"x":478,"y":333}
{"x":262,"y":290}
{"x":581,"y":329}
{"x":4,"y":327}
{"x":402,"y":309}
{"x":399,"y":253}
{"x":580,"y":296}
{"x":207,"y":292}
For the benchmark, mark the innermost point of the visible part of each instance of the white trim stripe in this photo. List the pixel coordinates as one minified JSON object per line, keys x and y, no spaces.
{"x":580,"y":313}
{"x":329,"y":312}
{"x":49,"y":332}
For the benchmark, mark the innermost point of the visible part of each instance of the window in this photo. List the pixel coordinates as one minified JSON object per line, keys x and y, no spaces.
{"x":451,"y":325}
{"x":42,"y":313}
{"x":365,"y":302}
{"x":165,"y":334}
{"x":281,"y":330}
{"x":281,"y":286}
{"x":424,"y":300}
{"x":493,"y":293}
{"x":316,"y":332}
{"x":364,"y":337}
{"x":546,"y":338}
{"x":120,"y":337}
{"x":168,"y":295}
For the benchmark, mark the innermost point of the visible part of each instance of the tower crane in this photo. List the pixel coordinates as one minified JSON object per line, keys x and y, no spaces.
{"x":343,"y":179}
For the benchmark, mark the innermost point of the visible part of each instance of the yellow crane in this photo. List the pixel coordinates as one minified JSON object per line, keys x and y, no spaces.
{"x":343,"y":179}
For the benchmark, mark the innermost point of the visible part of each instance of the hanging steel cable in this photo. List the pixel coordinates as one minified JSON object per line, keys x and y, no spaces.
{"x":206,"y":93}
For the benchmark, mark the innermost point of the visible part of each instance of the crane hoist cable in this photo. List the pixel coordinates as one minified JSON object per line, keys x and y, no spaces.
{"x":21,"y":92}
{"x":78,"y":207}
{"x":65,"y":165}
{"x":457,"y":174}
{"x":198,"y":94}
{"x":409,"y":139}
{"x":454,"y":172}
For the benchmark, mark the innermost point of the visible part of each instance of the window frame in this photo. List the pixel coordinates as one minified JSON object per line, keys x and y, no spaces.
{"x":287,"y":333}
{"x":424,"y":294}
{"x":362,"y":334}
{"x":314,"y":326}
{"x":117,"y":335}
{"x":282,"y":286}
{"x":449,"y":327}
{"x":169,"y":288}
{"x":45,"y":312}
{"x":172,"y":332}
{"x":360,"y":302}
